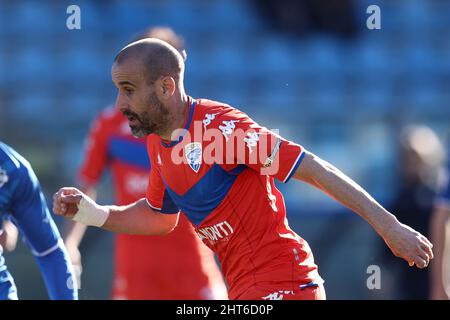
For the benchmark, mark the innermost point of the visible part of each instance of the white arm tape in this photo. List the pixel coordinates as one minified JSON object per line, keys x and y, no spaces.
{"x":90,"y":213}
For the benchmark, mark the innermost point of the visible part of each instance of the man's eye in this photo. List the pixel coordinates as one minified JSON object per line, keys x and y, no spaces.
{"x":128,"y":91}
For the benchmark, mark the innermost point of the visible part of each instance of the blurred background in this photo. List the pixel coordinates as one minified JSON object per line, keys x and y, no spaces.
{"x":310,"y":68}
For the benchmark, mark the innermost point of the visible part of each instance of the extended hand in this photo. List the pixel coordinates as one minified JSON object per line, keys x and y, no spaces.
{"x":410,"y":245}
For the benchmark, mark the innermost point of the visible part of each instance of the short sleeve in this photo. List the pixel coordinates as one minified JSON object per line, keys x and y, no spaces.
{"x":258,"y":148}
{"x":157,"y":196}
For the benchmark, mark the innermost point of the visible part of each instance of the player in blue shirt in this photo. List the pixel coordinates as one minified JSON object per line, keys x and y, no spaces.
{"x":22,"y":201}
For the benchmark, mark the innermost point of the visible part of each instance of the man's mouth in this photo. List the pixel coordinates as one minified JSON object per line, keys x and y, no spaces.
{"x":132,"y":119}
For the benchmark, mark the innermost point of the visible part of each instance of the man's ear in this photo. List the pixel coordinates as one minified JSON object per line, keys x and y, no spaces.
{"x":166,"y":87}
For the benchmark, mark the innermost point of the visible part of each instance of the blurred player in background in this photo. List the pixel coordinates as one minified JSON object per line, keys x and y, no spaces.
{"x":177,"y":266}
{"x":440,"y":228}
{"x":219,"y":171}
{"x":421,"y":158}
{"x":22,"y":202}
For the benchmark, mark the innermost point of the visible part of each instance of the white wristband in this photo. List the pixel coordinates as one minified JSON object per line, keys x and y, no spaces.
{"x":90,"y":213}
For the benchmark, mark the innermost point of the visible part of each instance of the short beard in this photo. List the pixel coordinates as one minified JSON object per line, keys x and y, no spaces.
{"x":157,"y":123}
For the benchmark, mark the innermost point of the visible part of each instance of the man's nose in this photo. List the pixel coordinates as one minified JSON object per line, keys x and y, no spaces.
{"x":119,"y":104}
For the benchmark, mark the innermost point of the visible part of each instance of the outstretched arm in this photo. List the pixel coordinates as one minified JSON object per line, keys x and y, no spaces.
{"x":135,"y":218}
{"x":403,"y":241}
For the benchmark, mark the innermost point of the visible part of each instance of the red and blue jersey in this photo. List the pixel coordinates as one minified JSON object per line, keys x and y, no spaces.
{"x":219,"y":172}
{"x":176,"y":266}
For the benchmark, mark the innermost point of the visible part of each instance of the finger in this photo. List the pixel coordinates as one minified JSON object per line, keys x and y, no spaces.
{"x":411,"y":263}
{"x":424,"y":251}
{"x":71,"y":198}
{"x":420,"y":262}
{"x":57,"y":196}
{"x":59,"y":209}
{"x":425,"y":247}
{"x":56,"y":207}
{"x":424,"y":257}
{"x":422,"y":254}
{"x":425,"y":239}
{"x":69,"y":190}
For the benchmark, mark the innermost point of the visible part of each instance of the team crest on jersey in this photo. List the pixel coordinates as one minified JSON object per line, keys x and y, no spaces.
{"x":193,"y":153}
{"x":3,"y":177}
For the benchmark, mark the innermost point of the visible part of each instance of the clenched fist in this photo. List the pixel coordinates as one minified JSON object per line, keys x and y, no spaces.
{"x":74,"y":204}
{"x":66,"y":201}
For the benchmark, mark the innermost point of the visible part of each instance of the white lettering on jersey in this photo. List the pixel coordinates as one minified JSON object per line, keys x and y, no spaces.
{"x":277,"y":295}
{"x":228,"y":127}
{"x":272,"y":197}
{"x":3,"y":177}
{"x":251,"y":140}
{"x":208,"y":118}
{"x":159,"y":160}
{"x":136,"y":183}
{"x":219,"y":231}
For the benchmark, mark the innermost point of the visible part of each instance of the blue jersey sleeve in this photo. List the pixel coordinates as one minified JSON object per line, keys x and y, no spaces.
{"x":30,"y":213}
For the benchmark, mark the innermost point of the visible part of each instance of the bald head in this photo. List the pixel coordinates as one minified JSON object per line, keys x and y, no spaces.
{"x":155,"y":58}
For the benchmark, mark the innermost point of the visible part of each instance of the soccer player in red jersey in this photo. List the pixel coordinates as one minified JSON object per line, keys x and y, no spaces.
{"x":142,"y":267}
{"x":217,"y":166}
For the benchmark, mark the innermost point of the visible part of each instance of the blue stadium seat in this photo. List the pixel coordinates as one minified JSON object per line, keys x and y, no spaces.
{"x":84,"y":64}
{"x":274,"y":57}
{"x":229,"y":14}
{"x":33,"y":63}
{"x":33,"y":105}
{"x":26,"y":17}
{"x":224,"y":60}
{"x":419,"y":57}
{"x":375,"y":57}
{"x":325,"y":54}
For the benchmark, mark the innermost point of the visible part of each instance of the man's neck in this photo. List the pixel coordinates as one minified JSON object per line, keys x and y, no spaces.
{"x":179,"y":116}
